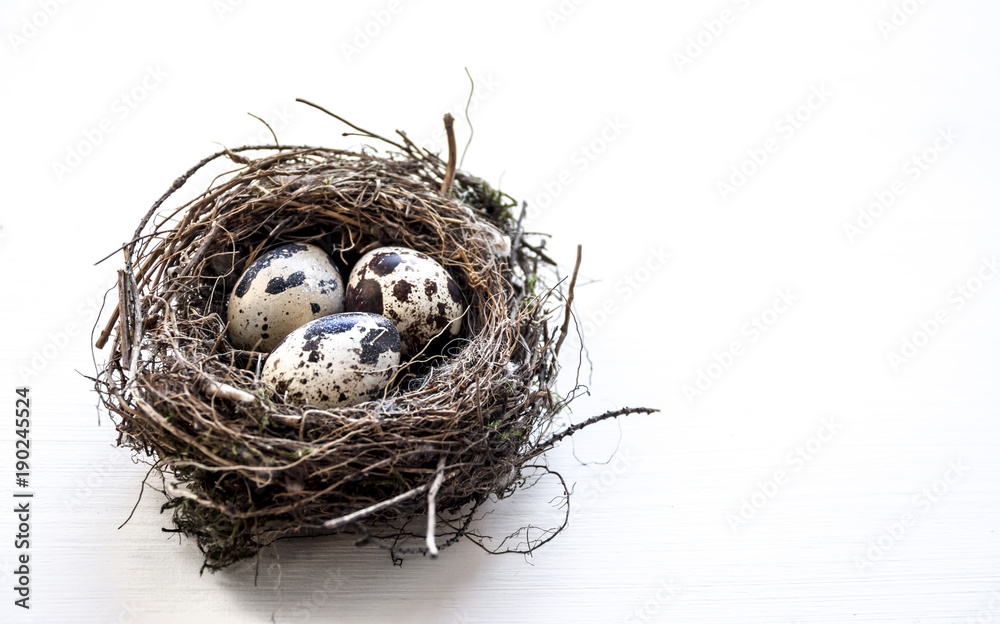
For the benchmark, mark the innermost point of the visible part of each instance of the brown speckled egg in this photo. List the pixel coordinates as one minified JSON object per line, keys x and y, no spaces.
{"x":284,"y":289}
{"x":334,"y":361}
{"x":410,"y":289}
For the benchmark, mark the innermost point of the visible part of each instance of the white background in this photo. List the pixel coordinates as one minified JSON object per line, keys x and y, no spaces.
{"x":811,"y":480}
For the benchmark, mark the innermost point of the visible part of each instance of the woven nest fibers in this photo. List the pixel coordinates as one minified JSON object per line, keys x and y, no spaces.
{"x":456,"y":427}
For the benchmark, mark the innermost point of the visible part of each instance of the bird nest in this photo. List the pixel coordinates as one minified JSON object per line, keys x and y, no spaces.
{"x":463,"y":425}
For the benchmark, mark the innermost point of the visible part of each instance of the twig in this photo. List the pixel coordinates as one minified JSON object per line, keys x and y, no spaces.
{"x":432,"y":548}
{"x":449,"y":176}
{"x":138,"y":321}
{"x":122,"y":310}
{"x":569,"y":300}
{"x":126,"y":245}
{"x":226,"y":391}
{"x":362,"y":130}
{"x":538,"y":251}
{"x":354,"y":516}
{"x":565,"y":433}
{"x":142,"y":488}
{"x":268,"y":127}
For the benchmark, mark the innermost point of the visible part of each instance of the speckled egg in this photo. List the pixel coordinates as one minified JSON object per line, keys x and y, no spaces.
{"x":335,"y":361}
{"x":409,"y":288}
{"x":284,"y":289}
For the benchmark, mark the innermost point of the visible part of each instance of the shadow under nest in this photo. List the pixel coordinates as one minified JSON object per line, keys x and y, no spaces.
{"x":461,"y":423}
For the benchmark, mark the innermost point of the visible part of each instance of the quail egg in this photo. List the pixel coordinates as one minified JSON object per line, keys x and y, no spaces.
{"x":280,"y":291}
{"x":410,"y":289}
{"x":335,"y":361}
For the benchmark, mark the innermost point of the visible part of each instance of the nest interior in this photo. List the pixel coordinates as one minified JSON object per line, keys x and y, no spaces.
{"x":240,"y":467}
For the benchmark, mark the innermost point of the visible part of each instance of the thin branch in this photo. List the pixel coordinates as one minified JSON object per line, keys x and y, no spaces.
{"x":569,"y":300}
{"x":449,"y":176}
{"x":354,"y":516}
{"x":565,"y":433}
{"x":226,"y":391}
{"x":276,"y":143}
{"x":359,"y":129}
{"x":142,"y":488}
{"x":432,"y":548}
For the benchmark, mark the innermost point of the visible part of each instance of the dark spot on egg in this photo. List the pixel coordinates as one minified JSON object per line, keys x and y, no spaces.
{"x":280,"y":284}
{"x":333,"y":324}
{"x":453,"y":290}
{"x":379,"y":340}
{"x":441,"y":308}
{"x":314,"y":307}
{"x":438,"y":321}
{"x":342,"y":397}
{"x":430,"y":288}
{"x":366,"y":296}
{"x":384,"y":263}
{"x":401,"y":290}
{"x":327,"y":286}
{"x":285,"y":251}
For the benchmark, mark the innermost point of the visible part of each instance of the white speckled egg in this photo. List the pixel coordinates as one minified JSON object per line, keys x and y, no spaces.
{"x":284,"y":289}
{"x":334,"y":361}
{"x":410,"y":289}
